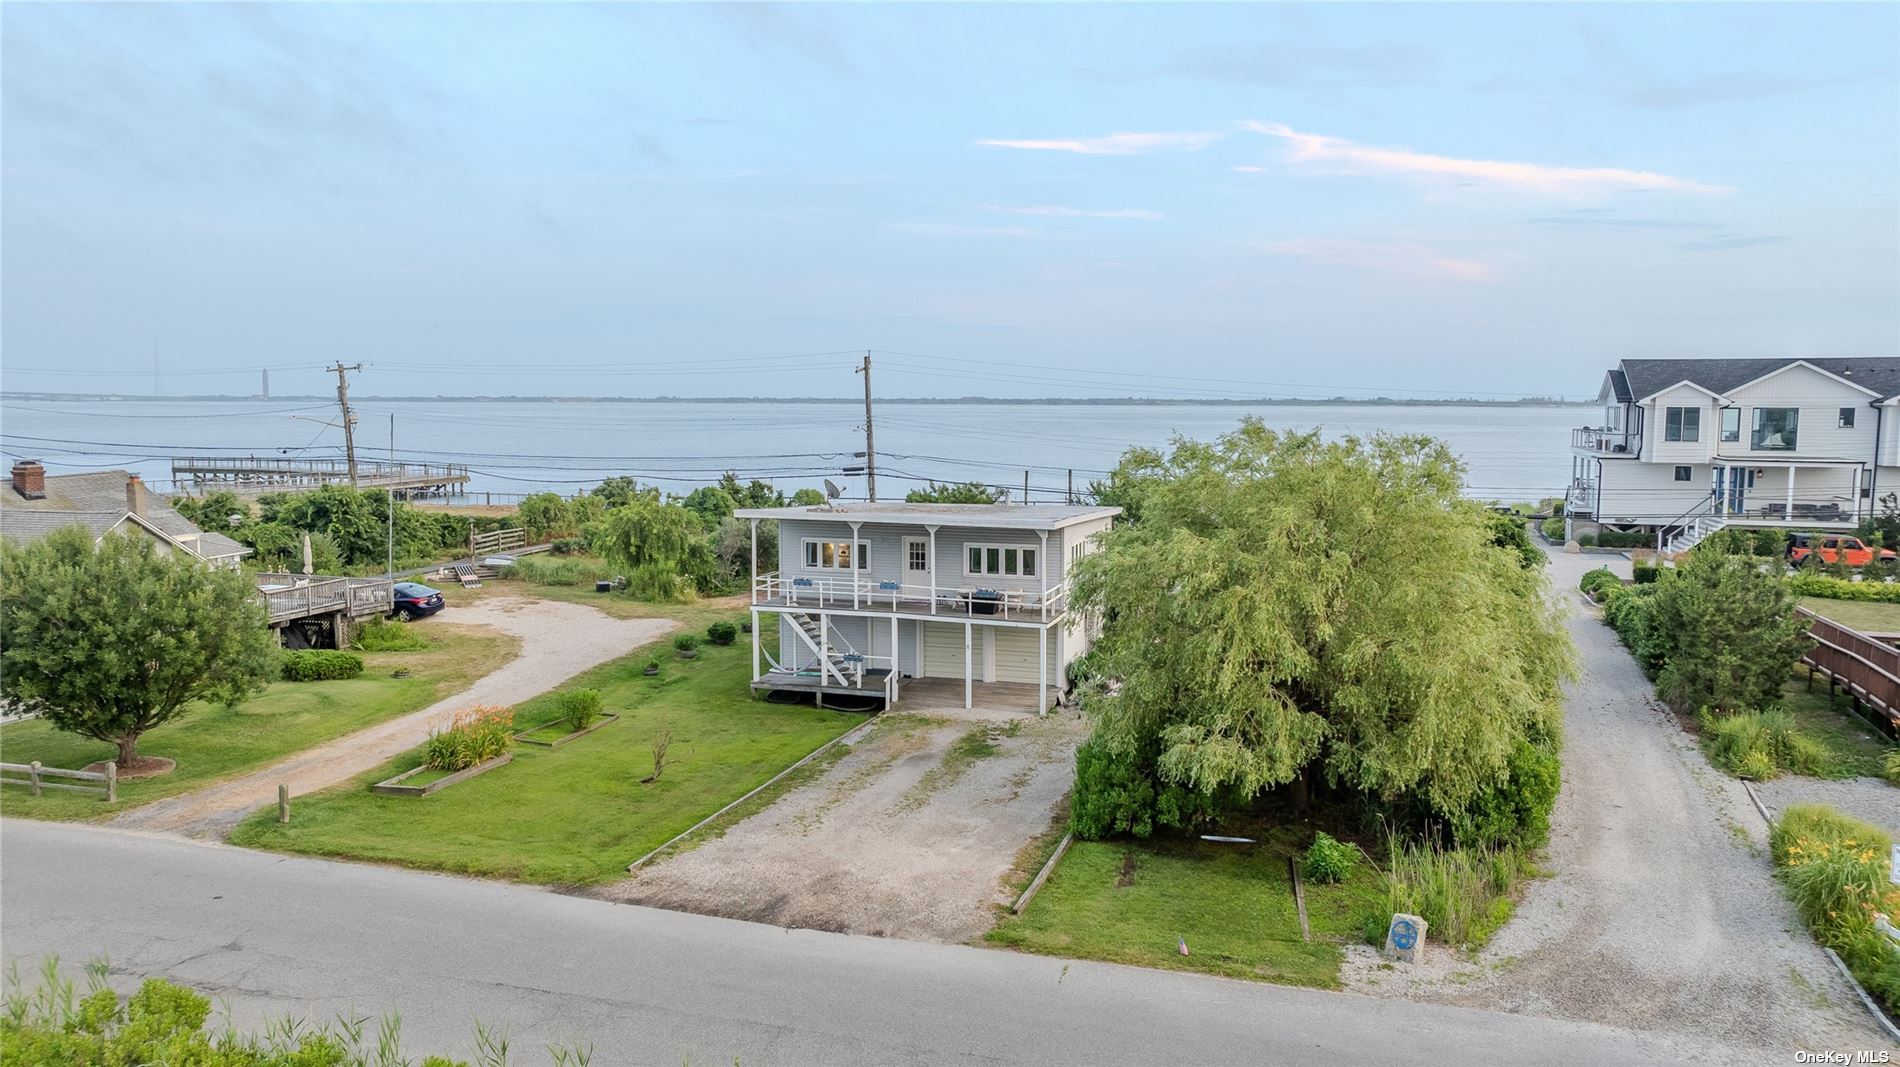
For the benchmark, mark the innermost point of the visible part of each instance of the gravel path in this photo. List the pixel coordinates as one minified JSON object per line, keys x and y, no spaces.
{"x":1661,"y":915}
{"x":1864,"y":798}
{"x":558,"y":641}
{"x":891,"y":840}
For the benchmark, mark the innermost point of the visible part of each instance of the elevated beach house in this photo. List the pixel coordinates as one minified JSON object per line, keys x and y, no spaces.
{"x":871,"y":596}
{"x":1687,"y":446}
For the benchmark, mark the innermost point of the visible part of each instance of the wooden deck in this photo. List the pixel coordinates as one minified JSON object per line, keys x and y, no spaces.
{"x":810,"y":680}
{"x":288,"y":597}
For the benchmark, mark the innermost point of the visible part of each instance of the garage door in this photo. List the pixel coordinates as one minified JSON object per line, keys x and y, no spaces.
{"x":1016,"y":655}
{"x":943,"y":651}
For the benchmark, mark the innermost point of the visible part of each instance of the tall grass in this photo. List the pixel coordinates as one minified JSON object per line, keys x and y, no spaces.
{"x":561,"y":570}
{"x":1463,"y":895}
{"x":476,"y":736}
{"x":1762,"y":744}
{"x":388,"y":635}
{"x":1834,"y":868}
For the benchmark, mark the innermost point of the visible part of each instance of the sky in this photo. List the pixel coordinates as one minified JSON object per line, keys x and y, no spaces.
{"x":1002,"y":201}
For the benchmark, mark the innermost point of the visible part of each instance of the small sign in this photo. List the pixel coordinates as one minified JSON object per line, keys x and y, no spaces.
{"x":1405,"y":938}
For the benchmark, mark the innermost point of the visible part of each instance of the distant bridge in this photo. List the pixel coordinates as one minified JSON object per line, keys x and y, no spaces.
{"x":248,"y":475}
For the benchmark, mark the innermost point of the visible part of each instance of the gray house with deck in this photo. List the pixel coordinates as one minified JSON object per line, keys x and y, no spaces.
{"x":870,"y":596}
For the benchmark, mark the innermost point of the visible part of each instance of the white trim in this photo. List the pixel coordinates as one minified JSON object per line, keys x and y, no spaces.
{"x":1680,"y":384}
{"x":1001,"y":550}
{"x":1804,"y":363}
{"x":861,"y":560}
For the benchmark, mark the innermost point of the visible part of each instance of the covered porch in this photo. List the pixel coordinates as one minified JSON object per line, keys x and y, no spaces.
{"x":1822,"y":493}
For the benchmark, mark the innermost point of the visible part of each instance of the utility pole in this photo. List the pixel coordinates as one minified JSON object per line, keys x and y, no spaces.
{"x":390,"y":488}
{"x":1070,"y":499}
{"x":1025,"y":487}
{"x":870,"y":448}
{"x":349,"y":420}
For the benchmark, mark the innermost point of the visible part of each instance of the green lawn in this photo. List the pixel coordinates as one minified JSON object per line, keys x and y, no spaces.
{"x":1857,"y":748}
{"x":212,"y":742}
{"x":1233,"y":904}
{"x":1865,"y":616}
{"x":577,"y":814}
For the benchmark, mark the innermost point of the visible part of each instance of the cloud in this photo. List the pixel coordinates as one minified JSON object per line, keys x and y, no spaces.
{"x":1728,"y":244}
{"x":951,"y":229}
{"x":1056,"y":211}
{"x":1115,"y":144}
{"x":1349,"y":157}
{"x":1598,"y":221}
{"x":1409,"y":259}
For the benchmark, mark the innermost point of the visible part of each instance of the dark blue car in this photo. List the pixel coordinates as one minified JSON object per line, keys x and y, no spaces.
{"x":414,"y":600}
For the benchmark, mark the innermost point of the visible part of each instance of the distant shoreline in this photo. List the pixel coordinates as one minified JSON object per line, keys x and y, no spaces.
{"x":1046,"y":401}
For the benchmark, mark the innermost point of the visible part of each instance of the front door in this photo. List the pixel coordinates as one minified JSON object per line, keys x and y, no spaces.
{"x":1731,"y":489}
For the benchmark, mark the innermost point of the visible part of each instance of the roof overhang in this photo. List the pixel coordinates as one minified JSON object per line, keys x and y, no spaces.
{"x":1698,"y":388}
{"x":993,"y":517}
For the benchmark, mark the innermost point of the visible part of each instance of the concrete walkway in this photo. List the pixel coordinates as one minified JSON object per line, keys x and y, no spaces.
{"x":275,"y":936}
{"x":558,"y":641}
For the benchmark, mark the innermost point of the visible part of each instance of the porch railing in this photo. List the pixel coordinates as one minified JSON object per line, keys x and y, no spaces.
{"x":297,"y":596}
{"x":1602,"y":439}
{"x":967,"y":600}
{"x":1868,"y":668}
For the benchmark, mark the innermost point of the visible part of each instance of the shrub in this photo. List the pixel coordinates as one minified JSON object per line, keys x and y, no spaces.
{"x":1803,"y":583}
{"x":579,"y":708}
{"x":1326,"y":860}
{"x":1120,"y":793}
{"x":475,"y":736}
{"x":1553,"y":528}
{"x":1645,"y":573}
{"x":1630,"y":611}
{"x":1632,"y":539}
{"x":388,"y":635}
{"x":1731,"y":633}
{"x":1834,"y":869}
{"x":567,"y":546}
{"x":1890,"y":766}
{"x":722,"y":633}
{"x":685,"y":642}
{"x":1598,"y":579}
{"x":1587,"y":540}
{"x":321,"y":665}
{"x":1516,"y":811}
{"x":1761,"y":744}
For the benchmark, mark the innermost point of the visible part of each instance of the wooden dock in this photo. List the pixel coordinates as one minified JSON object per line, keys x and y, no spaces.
{"x":249,"y":475}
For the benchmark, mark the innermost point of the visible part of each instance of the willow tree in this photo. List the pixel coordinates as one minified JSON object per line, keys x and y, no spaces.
{"x":663,"y":545}
{"x":111,"y":640}
{"x":1288,"y":608}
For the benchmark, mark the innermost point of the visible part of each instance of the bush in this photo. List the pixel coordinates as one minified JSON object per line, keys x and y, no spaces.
{"x":1515,"y":812}
{"x":1553,"y":528}
{"x":1761,"y":744}
{"x":722,"y":633}
{"x":567,"y":546}
{"x":1121,"y":793}
{"x":1890,"y":766}
{"x":1326,"y":860}
{"x":388,"y":635}
{"x":1731,"y":633}
{"x":1633,"y":539}
{"x":475,"y":736}
{"x":1598,"y":579}
{"x":1645,"y":573}
{"x":1630,"y":611}
{"x":1834,"y":869}
{"x":1803,"y":583}
{"x":579,"y":708}
{"x":685,"y":642}
{"x":1587,"y":540}
{"x":321,"y":665}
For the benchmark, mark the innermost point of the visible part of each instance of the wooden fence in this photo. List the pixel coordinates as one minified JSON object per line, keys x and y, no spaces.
{"x":36,"y":776}
{"x":1868,"y":669}
{"x":487,"y":544}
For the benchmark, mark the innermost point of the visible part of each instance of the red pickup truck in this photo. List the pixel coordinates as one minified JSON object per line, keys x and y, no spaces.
{"x":1833,"y":548}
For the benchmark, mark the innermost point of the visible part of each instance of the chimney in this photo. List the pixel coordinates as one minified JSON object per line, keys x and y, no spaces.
{"x":135,"y":496}
{"x":29,"y":479}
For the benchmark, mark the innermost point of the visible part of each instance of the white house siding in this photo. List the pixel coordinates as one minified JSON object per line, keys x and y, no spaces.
{"x":1820,"y":398}
{"x":885,"y":551}
{"x":1648,"y":494}
{"x":1657,"y":450}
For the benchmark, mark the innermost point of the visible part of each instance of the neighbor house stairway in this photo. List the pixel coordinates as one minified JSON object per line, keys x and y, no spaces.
{"x":837,"y":651}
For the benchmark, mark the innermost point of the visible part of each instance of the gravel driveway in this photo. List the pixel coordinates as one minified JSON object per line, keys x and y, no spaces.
{"x":1661,"y":915}
{"x":558,"y":641}
{"x":901,"y":837}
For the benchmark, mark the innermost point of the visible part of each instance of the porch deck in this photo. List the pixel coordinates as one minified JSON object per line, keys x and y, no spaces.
{"x":812,"y":680}
{"x":941,"y":602}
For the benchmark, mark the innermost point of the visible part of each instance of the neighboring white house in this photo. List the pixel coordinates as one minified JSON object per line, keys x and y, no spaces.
{"x":869,"y":594}
{"x":1689,"y":445}
{"x":35,"y":504}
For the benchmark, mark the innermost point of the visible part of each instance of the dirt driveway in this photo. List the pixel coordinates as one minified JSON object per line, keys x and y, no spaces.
{"x":908,"y":835}
{"x":558,"y":641}
{"x":1661,"y":914}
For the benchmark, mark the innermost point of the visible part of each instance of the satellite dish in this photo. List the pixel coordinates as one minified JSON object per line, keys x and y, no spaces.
{"x":833,"y":490}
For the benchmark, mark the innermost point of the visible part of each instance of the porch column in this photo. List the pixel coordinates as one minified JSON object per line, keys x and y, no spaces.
{"x":897,"y":654}
{"x":1856,"y":493}
{"x":824,"y":644}
{"x":969,"y":690}
{"x":755,"y":585}
{"x":933,"y":568}
{"x":1042,"y":572}
{"x":1790,"y":512}
{"x":1042,"y":670}
{"x":755,"y":634}
{"x":855,"y":564}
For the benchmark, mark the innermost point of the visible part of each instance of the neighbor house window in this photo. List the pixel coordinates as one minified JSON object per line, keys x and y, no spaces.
{"x":835,"y":555}
{"x":1682,"y":424}
{"x":1682,"y":474}
{"x":1731,"y":424}
{"x":999,"y":560}
{"x":1775,"y":429}
{"x":1847,"y":418}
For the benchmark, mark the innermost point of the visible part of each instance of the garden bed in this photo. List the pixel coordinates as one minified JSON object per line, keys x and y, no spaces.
{"x":406,"y":784}
{"x":527,"y":737}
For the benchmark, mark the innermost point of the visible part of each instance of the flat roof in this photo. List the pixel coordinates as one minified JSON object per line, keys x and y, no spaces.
{"x":999,"y":516}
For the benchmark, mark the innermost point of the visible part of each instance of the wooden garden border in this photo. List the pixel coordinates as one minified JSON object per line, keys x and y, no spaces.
{"x":392,"y":787}
{"x":559,"y":741}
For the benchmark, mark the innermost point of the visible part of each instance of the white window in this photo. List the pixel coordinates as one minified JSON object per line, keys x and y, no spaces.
{"x":1847,"y":419}
{"x":998,"y":560}
{"x":835,"y":555}
{"x":1682,"y":424}
{"x":917,"y":555}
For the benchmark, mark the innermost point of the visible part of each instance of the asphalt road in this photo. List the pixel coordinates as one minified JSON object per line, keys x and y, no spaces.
{"x":279,"y":936}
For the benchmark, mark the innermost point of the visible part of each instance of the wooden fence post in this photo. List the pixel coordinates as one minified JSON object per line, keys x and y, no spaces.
{"x":112,"y":781}
{"x":33,"y":775}
{"x":283,"y":802}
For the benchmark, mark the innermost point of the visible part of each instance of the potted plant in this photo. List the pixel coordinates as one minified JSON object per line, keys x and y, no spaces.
{"x":652,"y":667}
{"x":722,"y":633}
{"x":688,"y":645}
